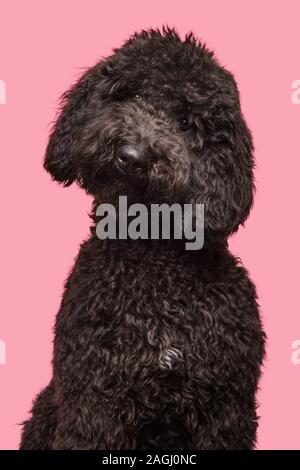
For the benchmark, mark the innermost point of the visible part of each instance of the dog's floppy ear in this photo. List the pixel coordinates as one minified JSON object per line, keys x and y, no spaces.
{"x":229,"y":186}
{"x":58,"y":160}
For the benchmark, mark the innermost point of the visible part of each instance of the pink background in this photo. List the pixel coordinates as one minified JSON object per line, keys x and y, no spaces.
{"x":43,"y":47}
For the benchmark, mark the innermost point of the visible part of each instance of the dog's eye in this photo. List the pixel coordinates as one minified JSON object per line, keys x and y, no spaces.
{"x":184,"y":122}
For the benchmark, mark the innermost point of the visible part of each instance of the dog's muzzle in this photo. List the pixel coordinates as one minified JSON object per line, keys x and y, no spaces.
{"x":133,"y":160}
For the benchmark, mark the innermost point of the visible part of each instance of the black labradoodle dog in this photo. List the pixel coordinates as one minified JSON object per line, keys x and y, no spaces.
{"x":156,"y":347}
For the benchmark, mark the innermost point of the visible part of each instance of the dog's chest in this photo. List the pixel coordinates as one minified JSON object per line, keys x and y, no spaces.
{"x":152,"y":314}
{"x":151,"y":311}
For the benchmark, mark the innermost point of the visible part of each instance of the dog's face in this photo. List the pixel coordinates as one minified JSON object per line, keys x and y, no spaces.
{"x":158,"y":121}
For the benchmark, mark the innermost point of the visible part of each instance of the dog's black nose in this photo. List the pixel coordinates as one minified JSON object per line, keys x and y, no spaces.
{"x":132,"y":159}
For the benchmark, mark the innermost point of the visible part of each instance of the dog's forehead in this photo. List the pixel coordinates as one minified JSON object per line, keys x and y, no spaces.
{"x":162,"y":65}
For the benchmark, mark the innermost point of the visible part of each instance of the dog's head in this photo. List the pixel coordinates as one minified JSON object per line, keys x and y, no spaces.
{"x":159,"y":121}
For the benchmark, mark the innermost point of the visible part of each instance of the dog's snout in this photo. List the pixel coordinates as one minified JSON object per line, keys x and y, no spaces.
{"x":132,"y":159}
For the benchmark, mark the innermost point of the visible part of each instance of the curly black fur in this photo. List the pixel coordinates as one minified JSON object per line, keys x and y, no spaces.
{"x":155,"y":347}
